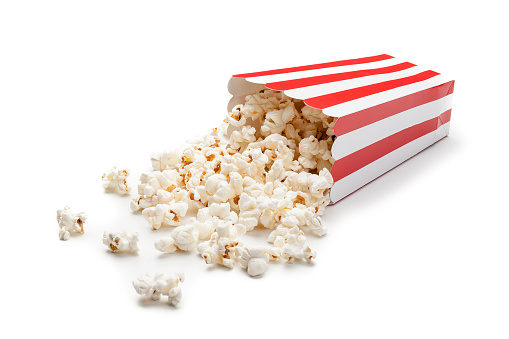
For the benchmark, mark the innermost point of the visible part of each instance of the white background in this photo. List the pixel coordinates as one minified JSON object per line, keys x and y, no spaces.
{"x":422,"y":252}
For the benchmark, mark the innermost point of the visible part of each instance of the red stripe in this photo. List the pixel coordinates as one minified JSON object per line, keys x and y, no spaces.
{"x":370,"y":115}
{"x":444,"y":118}
{"x":323,"y":79}
{"x":328,"y":100}
{"x":316,"y":66}
{"x":357,"y":160}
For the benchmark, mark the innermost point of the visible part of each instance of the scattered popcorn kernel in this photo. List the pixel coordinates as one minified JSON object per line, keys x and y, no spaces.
{"x":121,"y":241}
{"x":154,"y":286}
{"x":70,"y":222}
{"x":255,"y":259}
{"x":116,"y":180}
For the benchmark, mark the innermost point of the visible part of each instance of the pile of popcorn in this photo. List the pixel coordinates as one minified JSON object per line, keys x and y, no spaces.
{"x":268,"y":167}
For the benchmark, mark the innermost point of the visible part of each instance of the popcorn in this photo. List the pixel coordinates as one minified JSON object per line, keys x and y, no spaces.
{"x":235,"y":118}
{"x":209,"y":218}
{"x":70,"y":222}
{"x":220,"y":210}
{"x":140,"y":203}
{"x":165,"y":214}
{"x":249,"y":212}
{"x":166,"y":245}
{"x":302,"y":216}
{"x":218,"y":189}
{"x":220,"y":249}
{"x":242,"y":138}
{"x":320,"y":185}
{"x":269,"y":168}
{"x":164,"y":160}
{"x":116,"y":180}
{"x":121,"y":241}
{"x":183,"y":238}
{"x":276,"y":120}
{"x":292,"y":243}
{"x":160,"y":284}
{"x":312,"y":114}
{"x":255,"y":259}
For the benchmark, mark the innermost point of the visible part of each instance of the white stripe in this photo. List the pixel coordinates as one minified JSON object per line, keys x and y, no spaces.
{"x":343,"y":85}
{"x":370,"y":172}
{"x":353,"y":106}
{"x":367,"y":135}
{"x":323,"y":71}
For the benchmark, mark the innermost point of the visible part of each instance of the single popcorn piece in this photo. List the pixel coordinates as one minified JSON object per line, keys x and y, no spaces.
{"x":121,"y":241}
{"x":255,"y":259}
{"x":116,"y":180}
{"x":166,"y":245}
{"x":154,"y":286}
{"x":183,"y":238}
{"x":70,"y":222}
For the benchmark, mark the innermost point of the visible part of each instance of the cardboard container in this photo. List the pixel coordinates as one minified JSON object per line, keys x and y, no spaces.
{"x":388,"y":110}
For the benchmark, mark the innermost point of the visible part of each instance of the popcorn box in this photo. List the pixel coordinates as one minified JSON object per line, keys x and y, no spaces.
{"x":388,"y":110}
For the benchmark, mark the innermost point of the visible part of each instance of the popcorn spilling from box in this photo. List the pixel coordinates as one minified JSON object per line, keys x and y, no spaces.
{"x":293,"y":140}
{"x":269,"y":167}
{"x":387,"y":110}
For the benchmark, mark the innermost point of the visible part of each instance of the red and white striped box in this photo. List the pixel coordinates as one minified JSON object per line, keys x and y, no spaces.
{"x":388,"y":110}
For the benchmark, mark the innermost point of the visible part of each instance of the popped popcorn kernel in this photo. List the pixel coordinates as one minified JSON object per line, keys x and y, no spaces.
{"x":154,"y":286}
{"x":255,"y":259}
{"x":116,"y":180}
{"x":121,"y":241}
{"x":70,"y":222}
{"x":182,"y":237}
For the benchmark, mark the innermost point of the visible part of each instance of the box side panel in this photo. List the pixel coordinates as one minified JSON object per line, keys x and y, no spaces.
{"x":363,"y":103}
{"x":369,"y":157}
{"x":373,"y":170}
{"x":353,"y":141}
{"x":355,"y":161}
{"x":359,"y":119}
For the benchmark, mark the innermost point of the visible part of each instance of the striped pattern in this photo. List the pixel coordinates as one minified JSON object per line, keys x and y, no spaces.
{"x":388,"y":110}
